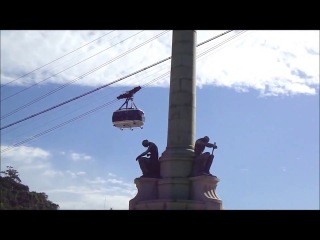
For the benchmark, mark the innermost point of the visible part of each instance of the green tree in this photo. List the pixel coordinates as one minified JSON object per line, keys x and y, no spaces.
{"x":16,"y":196}
{"x":12,"y":174}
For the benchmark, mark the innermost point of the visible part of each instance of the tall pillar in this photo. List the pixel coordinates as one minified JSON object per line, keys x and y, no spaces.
{"x":177,"y":189}
{"x":176,"y":160}
{"x":182,"y":98}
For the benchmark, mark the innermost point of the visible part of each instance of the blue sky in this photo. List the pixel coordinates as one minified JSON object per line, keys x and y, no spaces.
{"x":257,"y":97}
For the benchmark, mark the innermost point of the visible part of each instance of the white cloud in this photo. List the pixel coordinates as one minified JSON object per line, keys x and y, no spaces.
{"x":69,"y":188}
{"x":99,"y":194}
{"x":107,"y":53}
{"x":75,"y":174}
{"x":97,"y":180}
{"x":52,"y":173}
{"x":80,"y":157}
{"x":95,"y":201}
{"x":271,"y":62}
{"x":24,"y":154}
{"x":114,"y":181}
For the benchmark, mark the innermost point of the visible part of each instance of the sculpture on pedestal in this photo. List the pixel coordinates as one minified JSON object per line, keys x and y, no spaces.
{"x":149,"y":165}
{"x":203,"y":160}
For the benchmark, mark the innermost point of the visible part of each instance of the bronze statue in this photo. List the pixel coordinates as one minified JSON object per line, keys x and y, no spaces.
{"x":203,"y":161}
{"x":150,"y":165}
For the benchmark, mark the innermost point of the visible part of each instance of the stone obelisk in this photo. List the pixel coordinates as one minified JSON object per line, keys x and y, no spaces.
{"x":176,"y":189}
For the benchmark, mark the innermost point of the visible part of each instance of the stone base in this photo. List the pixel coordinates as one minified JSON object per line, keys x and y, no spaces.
{"x":203,"y":188}
{"x":174,"y":188}
{"x":147,"y":190}
{"x":194,"y":193}
{"x":177,"y":205}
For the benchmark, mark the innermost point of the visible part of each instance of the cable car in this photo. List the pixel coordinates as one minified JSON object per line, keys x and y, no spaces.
{"x":128,"y":116}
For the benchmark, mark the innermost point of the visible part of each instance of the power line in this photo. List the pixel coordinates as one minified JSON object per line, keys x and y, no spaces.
{"x":66,"y":122}
{"x":56,"y":59}
{"x":223,"y":42}
{"x":82,"y":95}
{"x":82,"y":76}
{"x":203,"y":53}
{"x":74,"y":110}
{"x":95,"y":109}
{"x":68,"y":68}
{"x":8,"y":97}
{"x":94,"y":90}
{"x":59,"y":126}
{"x":210,"y":39}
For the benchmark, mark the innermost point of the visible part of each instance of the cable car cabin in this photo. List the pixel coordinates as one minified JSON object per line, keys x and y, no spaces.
{"x":128,"y":118}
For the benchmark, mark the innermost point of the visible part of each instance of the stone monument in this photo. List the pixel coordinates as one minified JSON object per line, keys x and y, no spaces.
{"x":177,"y":188}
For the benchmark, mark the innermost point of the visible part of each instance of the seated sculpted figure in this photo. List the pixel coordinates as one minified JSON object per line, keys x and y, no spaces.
{"x":150,"y":166}
{"x":203,"y":160}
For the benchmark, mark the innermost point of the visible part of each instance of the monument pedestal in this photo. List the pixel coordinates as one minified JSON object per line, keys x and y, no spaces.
{"x":147,"y":190}
{"x":194,"y":193}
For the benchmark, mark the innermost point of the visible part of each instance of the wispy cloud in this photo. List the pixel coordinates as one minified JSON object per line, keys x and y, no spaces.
{"x":80,"y":157}
{"x":24,"y":154}
{"x":270,"y":62}
{"x":97,"y":180}
{"x":52,"y":173}
{"x":70,"y":188}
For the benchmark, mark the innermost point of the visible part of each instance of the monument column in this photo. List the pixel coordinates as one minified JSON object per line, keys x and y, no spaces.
{"x":176,"y":160}
{"x":177,"y":189}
